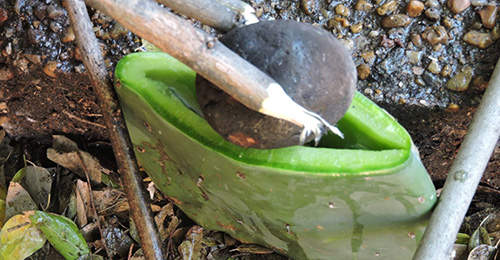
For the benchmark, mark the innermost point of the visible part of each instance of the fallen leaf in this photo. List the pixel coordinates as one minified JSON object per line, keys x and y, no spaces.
{"x":82,"y":202}
{"x":110,"y":201}
{"x":19,"y":238}
{"x":62,"y":234}
{"x":191,"y":248}
{"x":38,"y":183}
{"x":18,"y":200}
{"x":482,"y":252}
{"x":66,"y":153}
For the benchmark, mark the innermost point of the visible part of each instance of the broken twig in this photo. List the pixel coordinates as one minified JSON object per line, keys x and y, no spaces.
{"x":464,"y":176}
{"x":122,"y":146}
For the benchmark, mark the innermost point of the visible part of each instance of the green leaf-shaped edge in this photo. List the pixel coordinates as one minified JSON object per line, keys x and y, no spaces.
{"x":385,"y":143}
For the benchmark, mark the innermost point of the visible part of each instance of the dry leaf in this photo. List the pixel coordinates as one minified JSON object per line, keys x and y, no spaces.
{"x":18,"y":200}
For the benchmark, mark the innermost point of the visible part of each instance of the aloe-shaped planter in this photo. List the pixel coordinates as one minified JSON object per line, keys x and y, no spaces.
{"x":364,"y":196}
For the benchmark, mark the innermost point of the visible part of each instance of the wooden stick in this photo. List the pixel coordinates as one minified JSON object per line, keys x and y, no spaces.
{"x":464,"y":176}
{"x":118,"y":134}
{"x":212,"y":60}
{"x":208,"y":12}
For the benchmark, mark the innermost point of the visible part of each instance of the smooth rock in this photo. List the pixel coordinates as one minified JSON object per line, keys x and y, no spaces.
{"x":396,"y":20}
{"x":434,"y":67}
{"x":387,"y":8}
{"x":433,"y":13}
{"x":363,"y":5}
{"x":342,"y":10}
{"x":363,"y":71}
{"x":435,"y":34}
{"x":488,"y":16}
{"x":414,"y":8}
{"x":458,"y":6}
{"x":479,"y":39}
{"x":461,"y":80}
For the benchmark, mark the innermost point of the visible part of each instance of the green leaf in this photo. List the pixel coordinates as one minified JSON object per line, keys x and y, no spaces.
{"x":62,"y":233}
{"x":19,"y":238}
{"x":18,"y":177}
{"x":462,"y":238}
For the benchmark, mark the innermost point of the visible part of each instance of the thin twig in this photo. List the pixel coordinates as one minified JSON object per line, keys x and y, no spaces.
{"x":464,"y":176}
{"x":120,"y":140}
{"x":82,"y":120}
{"x":92,"y":205}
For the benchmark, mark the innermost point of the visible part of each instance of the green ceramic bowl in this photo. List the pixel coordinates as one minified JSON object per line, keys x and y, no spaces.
{"x":360,"y":197}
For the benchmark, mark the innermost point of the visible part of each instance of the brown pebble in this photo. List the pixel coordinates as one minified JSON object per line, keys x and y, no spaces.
{"x":50,"y":69}
{"x":3,"y":15}
{"x":308,"y":6}
{"x":368,"y":57}
{"x":342,"y":10}
{"x":452,"y":107}
{"x":363,"y":71}
{"x":446,"y":71}
{"x":458,"y":6}
{"x":447,"y":22}
{"x":356,"y":28}
{"x":414,"y":8}
{"x":488,"y":16}
{"x":69,"y":35}
{"x":434,"y":67}
{"x":435,"y":34}
{"x":387,"y":8}
{"x":479,"y":83}
{"x":433,"y":13}
{"x":343,"y":21}
{"x":396,"y":20}
{"x":6,"y":74}
{"x":386,"y":42}
{"x":461,"y":80}
{"x":416,"y":39}
{"x":363,"y":5}
{"x":479,"y":39}
{"x":35,"y":59}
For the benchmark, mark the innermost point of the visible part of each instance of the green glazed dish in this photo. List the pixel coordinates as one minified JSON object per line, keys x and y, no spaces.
{"x":361,"y":197}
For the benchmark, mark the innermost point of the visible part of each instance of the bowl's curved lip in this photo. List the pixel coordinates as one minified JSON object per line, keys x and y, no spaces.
{"x":208,"y":138}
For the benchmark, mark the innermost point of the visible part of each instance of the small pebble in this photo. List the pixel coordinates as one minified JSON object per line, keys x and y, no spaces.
{"x":6,"y":74}
{"x":414,"y":56}
{"x":356,"y":28}
{"x":69,"y":35}
{"x":419,"y":81}
{"x":396,"y":20}
{"x":447,"y":22}
{"x":35,"y":59}
{"x":55,"y":26}
{"x":434,"y":67}
{"x":461,"y":80}
{"x":458,"y":6}
{"x":435,"y":34}
{"x":387,"y":8}
{"x":363,"y":5}
{"x":342,"y":10}
{"x":432,"y":3}
{"x":416,"y":39}
{"x":478,"y":2}
{"x":417,"y":70}
{"x":433,"y":13}
{"x":3,"y":15}
{"x":414,"y":8}
{"x":368,"y":57}
{"x":50,"y":69}
{"x":488,"y":16}
{"x":374,"y":34}
{"x":308,"y":6}
{"x":363,"y":71}
{"x":54,"y":12}
{"x":452,"y":107}
{"x":479,"y":39}
{"x":368,"y":91}
{"x":446,"y":71}
{"x":343,"y":21}
{"x":479,"y":83}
